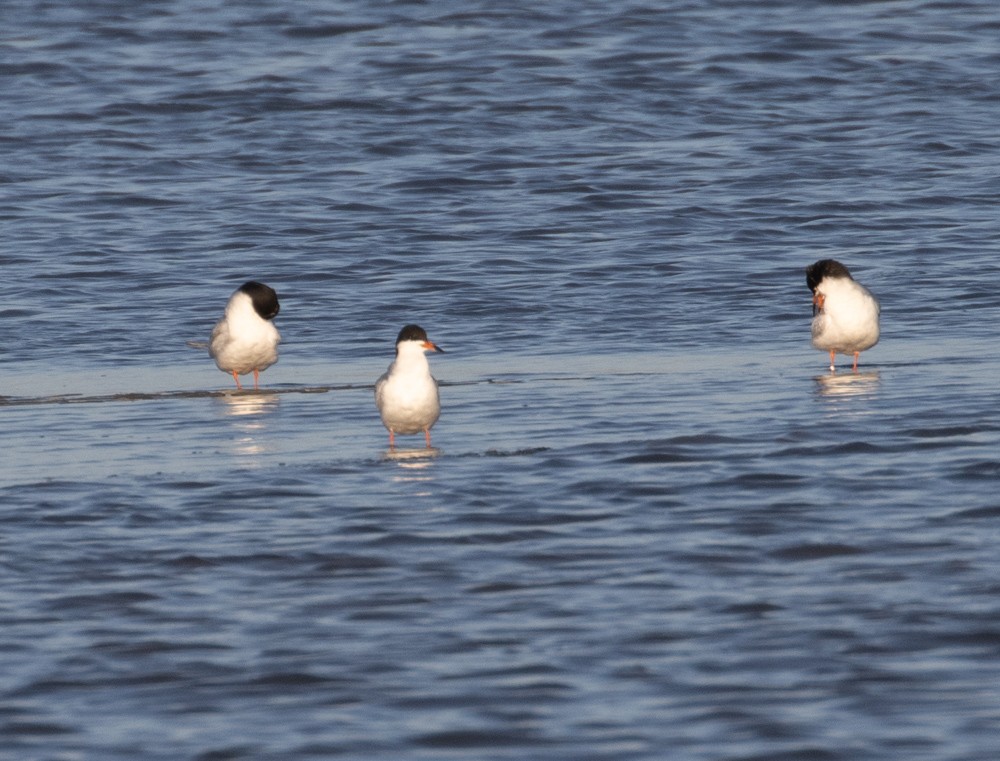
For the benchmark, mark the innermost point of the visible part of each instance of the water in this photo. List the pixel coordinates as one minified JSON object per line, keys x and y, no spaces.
{"x":653,"y":524}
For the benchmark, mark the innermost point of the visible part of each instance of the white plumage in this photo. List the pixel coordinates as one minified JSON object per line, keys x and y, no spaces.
{"x":407,"y":394}
{"x":845,"y":313}
{"x":245,"y":340}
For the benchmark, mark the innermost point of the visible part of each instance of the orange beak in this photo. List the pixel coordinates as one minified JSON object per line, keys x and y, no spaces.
{"x":818,"y":301}
{"x":430,"y":346}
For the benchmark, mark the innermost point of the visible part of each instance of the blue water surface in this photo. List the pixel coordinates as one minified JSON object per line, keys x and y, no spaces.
{"x":653,"y":525}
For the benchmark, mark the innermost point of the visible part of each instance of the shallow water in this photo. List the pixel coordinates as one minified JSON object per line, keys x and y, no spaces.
{"x":653,"y":525}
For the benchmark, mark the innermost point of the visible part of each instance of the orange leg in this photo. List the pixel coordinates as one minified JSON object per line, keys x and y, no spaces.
{"x":833,"y":355}
{"x":856,"y":355}
{"x":392,"y":439}
{"x":237,"y":379}
{"x":427,"y":436}
{"x":256,"y":379}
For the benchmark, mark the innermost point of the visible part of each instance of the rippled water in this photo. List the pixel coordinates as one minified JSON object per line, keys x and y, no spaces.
{"x":653,"y":526}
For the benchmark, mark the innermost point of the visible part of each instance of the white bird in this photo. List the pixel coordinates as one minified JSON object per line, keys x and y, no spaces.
{"x":407,"y":394}
{"x":845,"y":313}
{"x":245,"y":340}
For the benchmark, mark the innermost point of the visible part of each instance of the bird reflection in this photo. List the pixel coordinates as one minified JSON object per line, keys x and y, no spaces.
{"x":414,"y":465}
{"x":848,"y":384}
{"x":248,"y":413}
{"x":240,"y":404}
{"x":412,"y":458}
